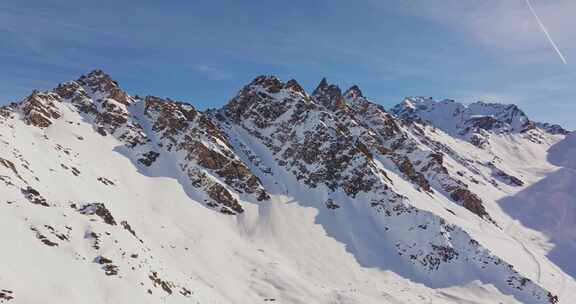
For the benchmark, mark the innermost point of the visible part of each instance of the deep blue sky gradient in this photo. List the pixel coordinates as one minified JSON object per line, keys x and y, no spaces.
{"x":203,"y":52}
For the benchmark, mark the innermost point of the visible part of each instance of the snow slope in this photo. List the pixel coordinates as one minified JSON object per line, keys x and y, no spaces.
{"x":280,"y":196}
{"x":549,"y":205}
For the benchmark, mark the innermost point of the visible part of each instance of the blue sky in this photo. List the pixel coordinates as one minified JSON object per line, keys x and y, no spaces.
{"x":203,"y":52}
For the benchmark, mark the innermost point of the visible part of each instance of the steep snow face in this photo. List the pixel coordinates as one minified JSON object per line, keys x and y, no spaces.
{"x":474,"y":122}
{"x":280,"y":196}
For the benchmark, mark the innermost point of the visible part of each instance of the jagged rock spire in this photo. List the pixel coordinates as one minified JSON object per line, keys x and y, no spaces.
{"x":321,"y":86}
{"x":353,"y":92}
{"x":329,"y":95}
{"x":293,"y":85}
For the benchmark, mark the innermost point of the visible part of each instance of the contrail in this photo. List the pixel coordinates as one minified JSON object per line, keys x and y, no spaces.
{"x":543,"y":28}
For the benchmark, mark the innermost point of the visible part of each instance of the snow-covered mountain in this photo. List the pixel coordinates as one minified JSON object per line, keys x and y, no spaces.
{"x":474,"y":122}
{"x":280,"y":196}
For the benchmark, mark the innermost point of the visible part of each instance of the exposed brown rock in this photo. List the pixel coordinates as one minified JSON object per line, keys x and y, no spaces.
{"x":182,"y":128}
{"x":43,"y":238}
{"x":98,"y":81}
{"x":479,"y":141}
{"x":330,"y":204}
{"x":33,"y":196}
{"x":172,"y":117}
{"x":102,"y":260}
{"x":105,"y":181}
{"x":434,"y":163}
{"x":100,"y":210}
{"x":470,"y":201}
{"x":185,"y":292}
{"x":129,"y":228}
{"x":505,"y":177}
{"x":329,"y":96}
{"x":40,"y":108}
{"x":509,"y":179}
{"x":157,"y":281}
{"x":10,"y":165}
{"x":207,"y":158}
{"x":6,"y":295}
{"x":222,"y":196}
{"x":76,"y":94}
{"x":552,"y":299}
{"x":95,"y":237}
{"x":5,"y":112}
{"x":149,"y":158}
{"x":270,"y":83}
{"x":364,"y":150}
{"x":112,"y":115}
{"x":293,"y":85}
{"x":329,"y":147}
{"x":406,"y":167}
{"x":485,"y":123}
{"x":109,"y":268}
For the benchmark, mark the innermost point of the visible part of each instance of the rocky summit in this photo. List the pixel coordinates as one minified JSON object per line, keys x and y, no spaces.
{"x":280,"y":196}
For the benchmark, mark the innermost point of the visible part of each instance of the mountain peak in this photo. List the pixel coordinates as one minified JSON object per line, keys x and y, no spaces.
{"x":270,"y":83}
{"x":474,"y":121}
{"x":321,"y":86}
{"x":100,"y":83}
{"x":95,"y":74}
{"x":353,"y":92}
{"x":293,"y":85}
{"x":329,"y":95}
